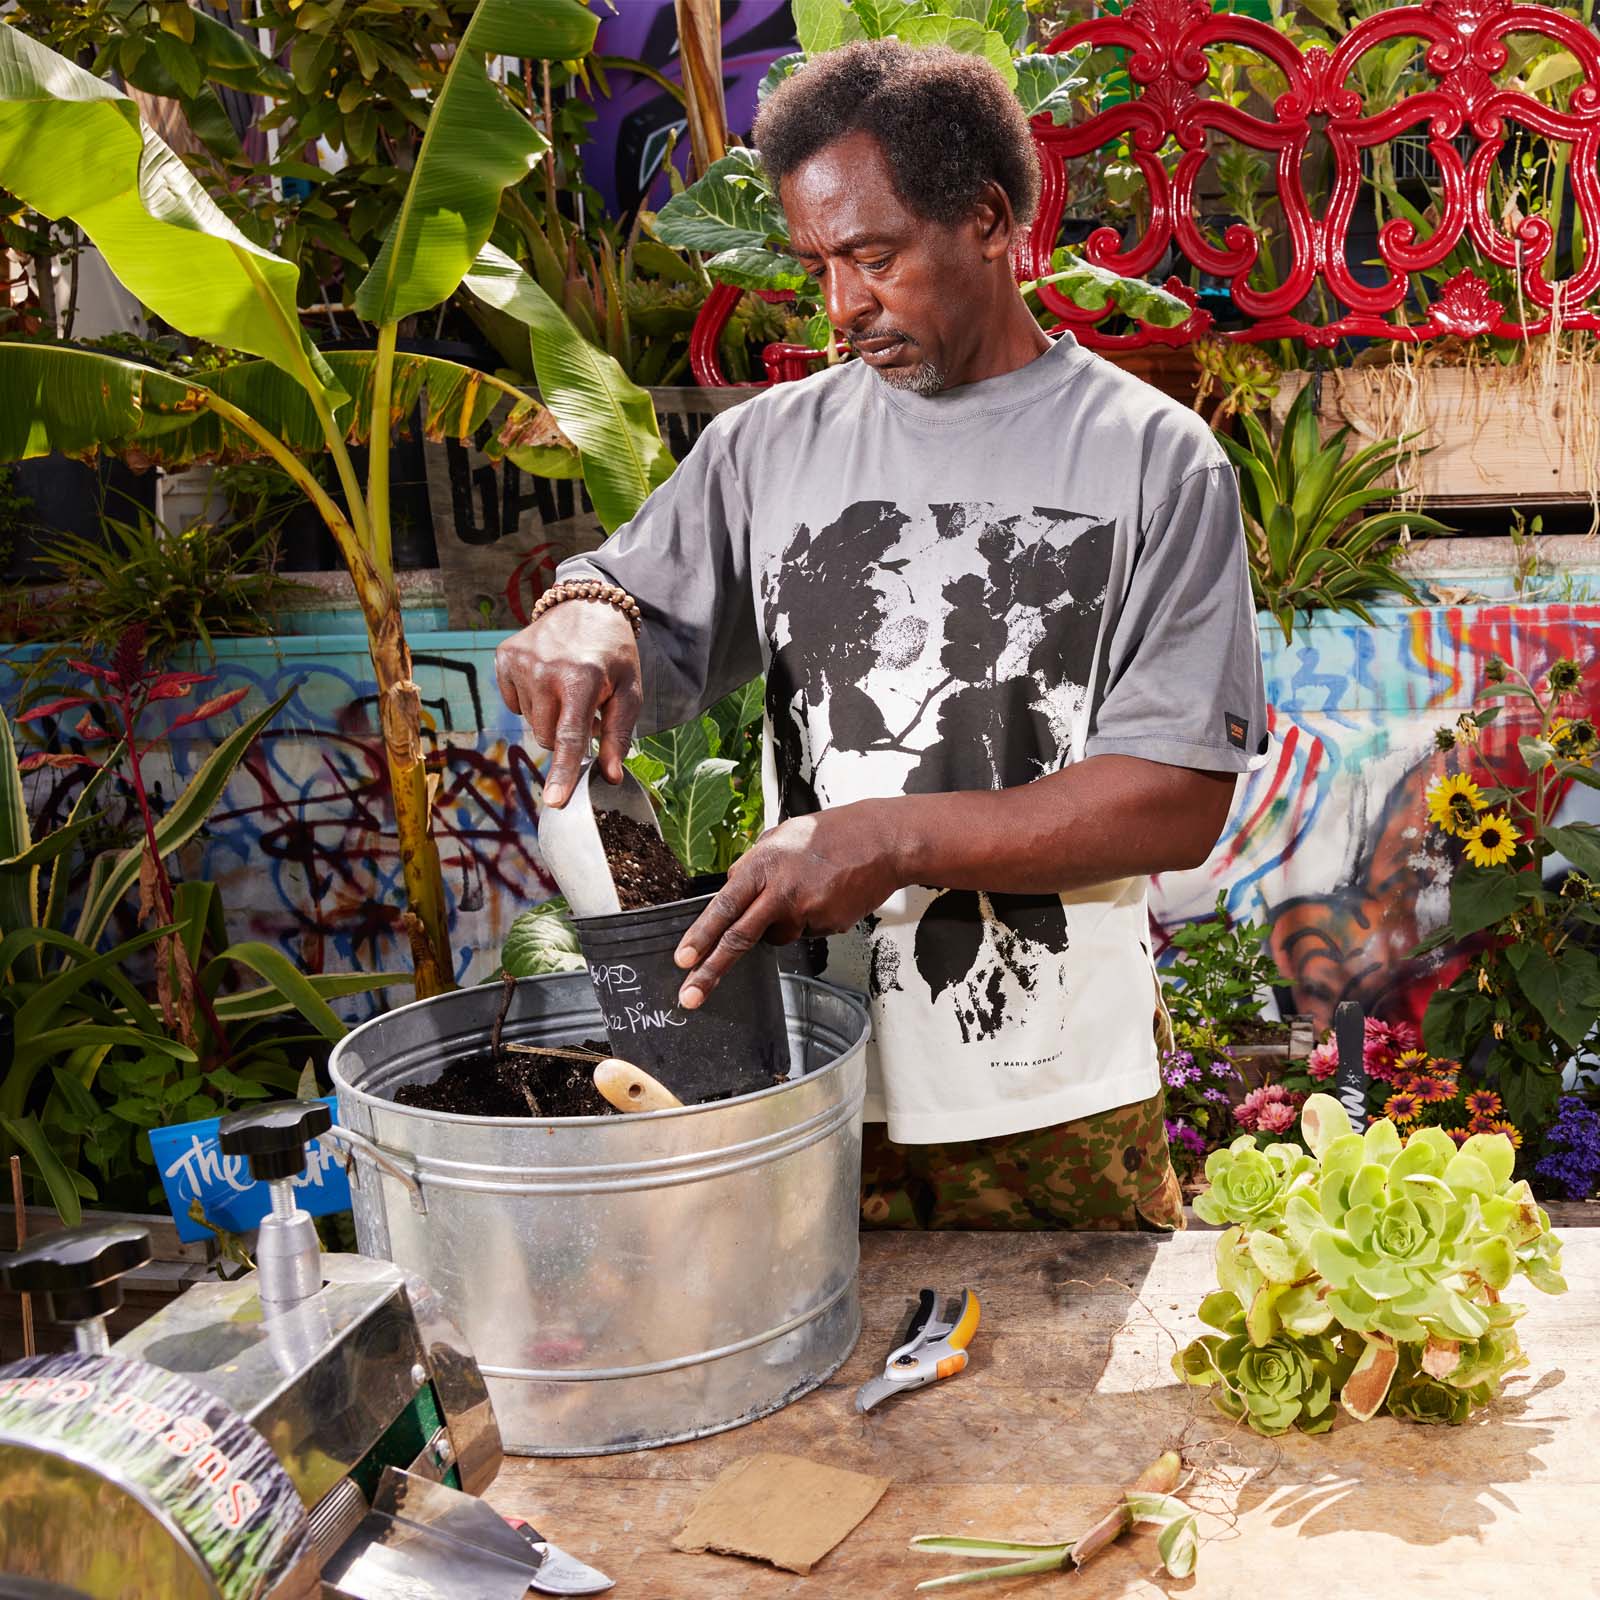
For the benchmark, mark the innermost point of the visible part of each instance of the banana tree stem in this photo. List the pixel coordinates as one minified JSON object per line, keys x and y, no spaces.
{"x":380,"y":538}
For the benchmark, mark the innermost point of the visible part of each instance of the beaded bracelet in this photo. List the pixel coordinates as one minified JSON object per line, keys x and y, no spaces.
{"x":589,"y":589}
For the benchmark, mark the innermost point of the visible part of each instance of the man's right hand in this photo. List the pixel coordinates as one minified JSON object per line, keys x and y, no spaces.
{"x":577,"y":663}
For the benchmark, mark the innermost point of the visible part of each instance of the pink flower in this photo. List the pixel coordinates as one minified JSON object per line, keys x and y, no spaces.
{"x":1269,"y":1109}
{"x":1384,"y":1043}
{"x":1324,"y":1060}
{"x":1276,"y":1118}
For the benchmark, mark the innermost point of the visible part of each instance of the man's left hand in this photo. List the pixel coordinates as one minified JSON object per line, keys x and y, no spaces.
{"x":807,"y":877}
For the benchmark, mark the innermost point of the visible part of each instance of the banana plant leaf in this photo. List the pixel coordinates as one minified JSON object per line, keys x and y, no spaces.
{"x":245,"y":1005}
{"x":80,"y":401}
{"x":609,"y":417}
{"x":71,"y":145}
{"x":476,"y":147}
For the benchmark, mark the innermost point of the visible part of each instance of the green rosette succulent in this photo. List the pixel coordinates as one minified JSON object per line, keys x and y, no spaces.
{"x":1284,"y":1382}
{"x":1374,"y":1262}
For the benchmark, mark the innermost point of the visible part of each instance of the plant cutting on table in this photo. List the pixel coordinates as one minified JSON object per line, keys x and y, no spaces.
{"x":1367,"y":1274}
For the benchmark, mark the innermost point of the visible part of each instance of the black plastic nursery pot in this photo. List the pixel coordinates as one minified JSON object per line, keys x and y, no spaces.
{"x":736,"y":1043}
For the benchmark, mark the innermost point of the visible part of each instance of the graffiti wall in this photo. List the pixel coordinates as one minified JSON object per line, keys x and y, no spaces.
{"x":1326,"y":842}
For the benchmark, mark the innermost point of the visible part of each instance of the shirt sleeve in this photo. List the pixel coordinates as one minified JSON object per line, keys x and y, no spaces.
{"x":685,"y":558}
{"x":1183,"y":682}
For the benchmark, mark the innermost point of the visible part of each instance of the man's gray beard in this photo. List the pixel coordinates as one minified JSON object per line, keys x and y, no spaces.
{"x":923,"y":379}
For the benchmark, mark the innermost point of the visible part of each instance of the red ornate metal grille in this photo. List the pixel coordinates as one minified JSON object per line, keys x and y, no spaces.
{"x":1170,"y":127}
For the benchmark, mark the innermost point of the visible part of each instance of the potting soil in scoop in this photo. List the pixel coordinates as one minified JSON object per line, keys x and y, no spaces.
{"x":643,"y":867}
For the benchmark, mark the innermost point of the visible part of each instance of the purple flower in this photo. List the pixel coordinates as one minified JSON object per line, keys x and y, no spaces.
{"x":1218,"y":1097}
{"x":1182,"y":1137}
{"x":1223,"y":1069}
{"x":1572,"y":1143}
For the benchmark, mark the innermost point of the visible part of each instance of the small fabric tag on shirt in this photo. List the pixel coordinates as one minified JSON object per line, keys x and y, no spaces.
{"x":1238,"y":730}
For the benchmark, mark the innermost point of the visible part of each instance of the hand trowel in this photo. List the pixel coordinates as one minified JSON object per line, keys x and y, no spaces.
{"x":569,"y":839}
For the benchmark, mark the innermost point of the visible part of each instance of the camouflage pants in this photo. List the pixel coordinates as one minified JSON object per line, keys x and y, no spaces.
{"x":1101,"y":1173}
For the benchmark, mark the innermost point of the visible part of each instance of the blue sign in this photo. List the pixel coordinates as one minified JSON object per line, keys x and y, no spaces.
{"x":193,"y":1167}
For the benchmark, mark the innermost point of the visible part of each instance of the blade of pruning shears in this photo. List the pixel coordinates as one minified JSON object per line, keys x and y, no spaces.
{"x":933,"y":1348}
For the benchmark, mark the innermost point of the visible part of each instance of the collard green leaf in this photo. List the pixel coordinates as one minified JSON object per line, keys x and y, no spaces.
{"x":751,"y":267}
{"x":1048,"y":85}
{"x":731,"y":206}
{"x":1095,"y":288}
{"x":780,"y":71}
{"x":963,"y":35}
{"x":694,"y":813}
{"x":542,"y":940}
{"x":823,"y":24}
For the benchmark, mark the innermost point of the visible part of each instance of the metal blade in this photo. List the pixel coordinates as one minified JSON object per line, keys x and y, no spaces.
{"x":560,"y":1573}
{"x":874,"y":1390}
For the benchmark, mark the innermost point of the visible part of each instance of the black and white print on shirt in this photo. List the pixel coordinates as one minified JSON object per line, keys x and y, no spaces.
{"x":920,"y":649}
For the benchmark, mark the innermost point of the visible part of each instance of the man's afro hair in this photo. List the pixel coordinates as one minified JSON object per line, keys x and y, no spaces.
{"x":946,"y":122}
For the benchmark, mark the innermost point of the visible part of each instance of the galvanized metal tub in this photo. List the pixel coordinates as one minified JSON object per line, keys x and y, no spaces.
{"x":629,"y":1281}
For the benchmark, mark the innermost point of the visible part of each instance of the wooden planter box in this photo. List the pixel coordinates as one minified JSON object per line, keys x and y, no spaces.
{"x":1256,"y":1061}
{"x":175,"y":1266}
{"x":1496,"y":436}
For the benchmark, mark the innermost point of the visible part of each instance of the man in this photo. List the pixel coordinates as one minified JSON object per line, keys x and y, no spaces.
{"x":999,"y":591}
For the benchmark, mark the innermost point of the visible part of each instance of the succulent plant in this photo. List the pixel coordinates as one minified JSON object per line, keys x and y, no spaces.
{"x":1368,"y":1271}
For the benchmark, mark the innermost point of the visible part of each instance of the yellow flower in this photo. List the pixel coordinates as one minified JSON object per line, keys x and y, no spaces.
{"x":1453,"y":803}
{"x":1483,"y":1103}
{"x":1493,"y":842}
{"x":1402,"y":1107}
{"x":1574,"y":739}
{"x":1509,"y":1129}
{"x":1414,"y":1062}
{"x":1467,"y":729}
{"x":1433,"y":1091}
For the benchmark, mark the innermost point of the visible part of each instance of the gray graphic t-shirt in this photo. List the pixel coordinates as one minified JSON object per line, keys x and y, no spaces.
{"x":964,"y":591}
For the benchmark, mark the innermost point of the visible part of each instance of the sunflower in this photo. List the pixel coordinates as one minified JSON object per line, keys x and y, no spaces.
{"x":1565,"y":676}
{"x":1493,"y":842}
{"x":1509,"y":1129}
{"x":1454,"y":803}
{"x":1483,"y":1103}
{"x":1433,"y":1091}
{"x":1576,"y":740}
{"x":1402,"y":1107}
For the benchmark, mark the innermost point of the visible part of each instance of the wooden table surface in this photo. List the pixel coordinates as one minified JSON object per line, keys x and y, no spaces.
{"x":1068,"y":1394}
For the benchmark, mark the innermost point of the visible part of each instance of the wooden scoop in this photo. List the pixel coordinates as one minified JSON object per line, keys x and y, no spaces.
{"x":631,"y":1088}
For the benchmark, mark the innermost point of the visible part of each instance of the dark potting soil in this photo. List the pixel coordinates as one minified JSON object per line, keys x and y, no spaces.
{"x":643,"y":867}
{"x":478,"y":1086}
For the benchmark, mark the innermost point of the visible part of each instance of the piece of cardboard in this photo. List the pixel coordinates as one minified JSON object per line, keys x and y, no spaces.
{"x":781,"y":1509}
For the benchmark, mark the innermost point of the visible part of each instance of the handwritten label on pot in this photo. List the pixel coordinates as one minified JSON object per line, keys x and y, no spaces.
{"x":210,"y":1473}
{"x":623,"y":1000}
{"x":193,"y":1167}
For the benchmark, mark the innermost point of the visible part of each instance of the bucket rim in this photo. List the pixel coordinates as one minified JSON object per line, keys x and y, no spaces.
{"x":342,"y":1085}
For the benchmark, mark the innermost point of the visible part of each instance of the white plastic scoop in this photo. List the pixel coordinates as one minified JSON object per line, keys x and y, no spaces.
{"x":569,"y":840}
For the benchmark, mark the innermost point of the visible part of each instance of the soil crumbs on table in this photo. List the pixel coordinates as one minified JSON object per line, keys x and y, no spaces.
{"x":643,"y":866}
{"x":478,"y":1086}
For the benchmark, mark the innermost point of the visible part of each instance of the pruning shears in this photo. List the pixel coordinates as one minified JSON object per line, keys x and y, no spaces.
{"x":934,"y":1348}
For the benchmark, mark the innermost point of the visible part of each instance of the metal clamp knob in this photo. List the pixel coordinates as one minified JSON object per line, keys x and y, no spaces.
{"x":273,"y":1137}
{"x":77,"y":1271}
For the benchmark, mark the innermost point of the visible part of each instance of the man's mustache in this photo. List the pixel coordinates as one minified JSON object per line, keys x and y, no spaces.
{"x":866,"y":336}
